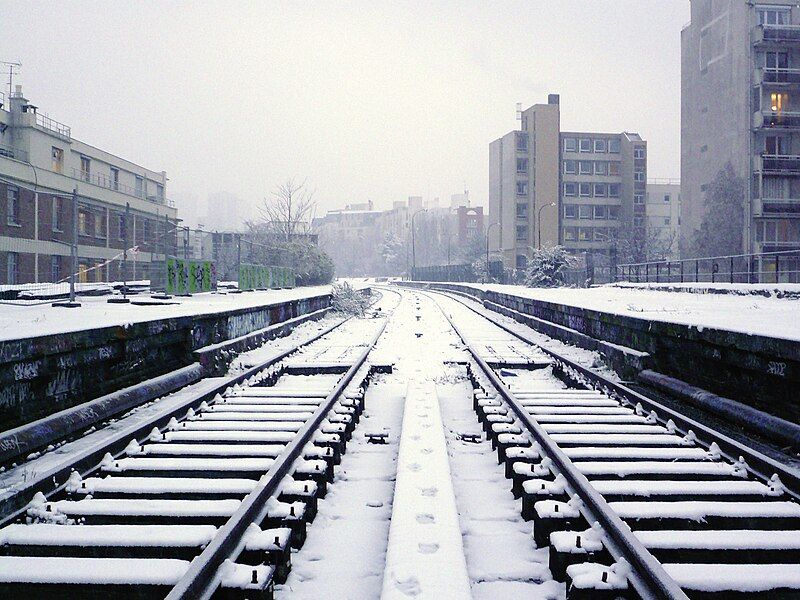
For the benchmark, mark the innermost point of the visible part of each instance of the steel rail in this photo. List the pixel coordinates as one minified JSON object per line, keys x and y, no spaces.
{"x":202,"y":578}
{"x":647,"y":575}
{"x":761,"y":465}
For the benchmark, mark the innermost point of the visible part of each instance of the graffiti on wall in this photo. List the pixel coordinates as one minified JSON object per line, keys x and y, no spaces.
{"x":186,"y":276}
{"x":253,"y":277}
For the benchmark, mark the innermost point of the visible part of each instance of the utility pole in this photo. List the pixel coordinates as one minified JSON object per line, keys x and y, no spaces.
{"x":488,"y":271}
{"x":413,"y":244}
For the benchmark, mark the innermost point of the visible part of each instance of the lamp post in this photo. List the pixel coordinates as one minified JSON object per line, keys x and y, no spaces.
{"x":539,"y":222}
{"x":413,"y":243}
{"x":488,"y":229}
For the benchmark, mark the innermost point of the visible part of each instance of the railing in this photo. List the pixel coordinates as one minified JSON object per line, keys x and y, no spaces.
{"x":768,"y":118}
{"x":664,"y":181}
{"x":764,"y":267}
{"x":775,"y":75}
{"x":778,"y":206}
{"x":53,"y":125}
{"x":15,"y":153}
{"x":780,"y":163}
{"x":778,"y":33}
{"x":109,"y":183}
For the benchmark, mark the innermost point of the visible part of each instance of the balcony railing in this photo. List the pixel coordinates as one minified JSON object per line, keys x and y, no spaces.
{"x":53,"y":125}
{"x":776,"y":120}
{"x":15,"y":153}
{"x":780,"y":163}
{"x":777,"y":207}
{"x":777,"y":34}
{"x":777,"y":76}
{"x":110,"y":184}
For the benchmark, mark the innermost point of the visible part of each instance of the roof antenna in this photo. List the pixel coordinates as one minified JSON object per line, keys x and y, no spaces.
{"x":10,"y":66}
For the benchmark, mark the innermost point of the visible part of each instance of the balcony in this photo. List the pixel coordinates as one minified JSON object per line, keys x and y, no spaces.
{"x":108,"y":183}
{"x":53,"y":126}
{"x":776,"y":120}
{"x":774,"y":76}
{"x":777,"y":207}
{"x":776,"y":34}
{"x":780,"y":164}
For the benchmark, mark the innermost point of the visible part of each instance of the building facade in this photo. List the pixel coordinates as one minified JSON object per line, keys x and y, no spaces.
{"x":549,"y":187}
{"x":663,"y":210}
{"x":740,"y":104}
{"x":41,"y":164}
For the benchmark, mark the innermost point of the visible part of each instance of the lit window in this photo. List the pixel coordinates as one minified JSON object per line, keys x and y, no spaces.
{"x":778,"y":101}
{"x":570,"y":234}
{"x":584,"y":234}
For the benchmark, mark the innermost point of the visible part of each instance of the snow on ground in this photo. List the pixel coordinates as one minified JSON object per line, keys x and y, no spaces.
{"x":19,"y":321}
{"x":751,"y":314}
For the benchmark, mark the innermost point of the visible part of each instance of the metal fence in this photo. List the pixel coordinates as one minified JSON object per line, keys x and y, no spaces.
{"x":461,"y":272}
{"x":764,"y":267}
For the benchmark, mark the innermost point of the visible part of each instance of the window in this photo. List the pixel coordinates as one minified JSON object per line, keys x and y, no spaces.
{"x":585,"y":167}
{"x":613,"y":212}
{"x":114,"y":178}
{"x":522,"y":188}
{"x":55,"y":269}
{"x":57,"y":156}
{"x":600,"y":168}
{"x":522,"y":261}
{"x":569,"y":166}
{"x":584,"y":234}
{"x":599,"y":145}
{"x":614,"y":145}
{"x":613,"y":169}
{"x":667,"y":221}
{"x":613,"y":190}
{"x":522,"y":165}
{"x":638,"y":221}
{"x":522,"y":210}
{"x":83,"y":221}
{"x":522,"y":233}
{"x":522,"y":142}
{"x":584,"y":211}
{"x":570,"y":211}
{"x":601,"y":234}
{"x":12,"y":268}
{"x":776,"y":60}
{"x":600,"y":211}
{"x":57,"y":219}
{"x":86,"y":168}
{"x":778,"y":102}
{"x":775,"y":144}
{"x":773,"y":15}
{"x":159,"y":191}
{"x":12,"y":205}
{"x":570,"y":234}
{"x":638,"y":199}
{"x":585,"y":189}
{"x":638,"y":175}
{"x":100,"y":224}
{"x":600,"y":190}
{"x":667,"y":199}
{"x":638,"y":152}
{"x":586,"y":145}
{"x":121,"y":226}
{"x":146,"y":230}
{"x":570,"y":188}
{"x":570,"y":145}
{"x":139,"y":189}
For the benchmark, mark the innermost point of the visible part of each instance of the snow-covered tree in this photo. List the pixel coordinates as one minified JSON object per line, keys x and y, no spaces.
{"x":721,"y":229}
{"x":547,"y":266}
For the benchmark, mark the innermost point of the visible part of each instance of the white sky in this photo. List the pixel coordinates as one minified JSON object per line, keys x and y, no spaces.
{"x":368,"y":100}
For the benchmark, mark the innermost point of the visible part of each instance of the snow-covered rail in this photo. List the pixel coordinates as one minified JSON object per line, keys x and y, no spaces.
{"x":633,"y":499}
{"x":210,"y":503}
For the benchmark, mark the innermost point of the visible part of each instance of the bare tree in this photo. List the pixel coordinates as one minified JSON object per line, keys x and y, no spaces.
{"x":289,"y":207}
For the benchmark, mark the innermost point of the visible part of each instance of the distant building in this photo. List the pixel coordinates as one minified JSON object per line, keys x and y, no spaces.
{"x":550,"y":187}
{"x":740,"y":104}
{"x":40,"y":166}
{"x":470,"y":222}
{"x":663,"y":211}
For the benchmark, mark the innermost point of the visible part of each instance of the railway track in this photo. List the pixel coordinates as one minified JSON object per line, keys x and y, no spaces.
{"x":208,"y":503}
{"x":633,"y":500}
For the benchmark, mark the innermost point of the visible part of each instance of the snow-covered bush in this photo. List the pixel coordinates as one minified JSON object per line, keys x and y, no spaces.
{"x":348,"y":301}
{"x":546,"y":267}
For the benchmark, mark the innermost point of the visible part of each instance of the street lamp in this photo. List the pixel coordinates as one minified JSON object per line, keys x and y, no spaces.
{"x":539,"y":222}
{"x":488,"y":229}
{"x":413,"y":244}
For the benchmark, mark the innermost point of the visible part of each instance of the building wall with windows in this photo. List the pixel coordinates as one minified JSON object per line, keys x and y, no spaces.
{"x":40,"y":166}
{"x":740,"y":103}
{"x":663,"y":210}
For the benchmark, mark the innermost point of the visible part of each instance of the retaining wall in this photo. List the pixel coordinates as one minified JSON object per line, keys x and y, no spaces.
{"x":43,"y":375}
{"x":759,"y":371}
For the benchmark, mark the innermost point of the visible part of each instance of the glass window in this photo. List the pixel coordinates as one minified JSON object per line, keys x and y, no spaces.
{"x":522,"y":233}
{"x":585,"y":189}
{"x":570,"y":211}
{"x":522,"y":142}
{"x":57,"y":155}
{"x":599,"y":145}
{"x":522,"y":210}
{"x":86,"y":168}
{"x":522,"y":165}
{"x":12,"y":205}
{"x":613,"y":190}
{"x":585,"y":145}
{"x":584,"y":211}
{"x":584,"y":234}
{"x":778,"y":102}
{"x":570,"y":145}
{"x":613,"y":212}
{"x":139,"y":189}
{"x":100,"y":223}
{"x":776,"y":60}
{"x":569,"y":166}
{"x":83,"y":221}
{"x":638,"y":176}
{"x":600,"y":211}
{"x":667,"y":220}
{"x":638,"y":152}
{"x":570,"y":188}
{"x":146,"y":230}
{"x":522,"y":188}
{"x":667,"y":199}
{"x":614,"y":145}
{"x":12,"y":268}
{"x":114,"y":178}
{"x":600,"y":190}
{"x":600,"y":168}
{"x":585,"y":167}
{"x":638,"y":199}
{"x":613,"y":169}
{"x":775,"y":144}
{"x":522,"y":261}
{"x":570,"y":234}
{"x":55,"y":269}
{"x":159,"y":191}
{"x":773,"y":15}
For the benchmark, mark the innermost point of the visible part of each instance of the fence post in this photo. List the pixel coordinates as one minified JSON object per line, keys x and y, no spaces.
{"x":658,"y":273}
{"x":125,"y":250}
{"x":680,"y":263}
{"x":714,"y":271}
{"x":74,"y":249}
{"x":697,"y":271}
{"x":647,"y":272}
{"x":731,"y":269}
{"x":777,"y":268}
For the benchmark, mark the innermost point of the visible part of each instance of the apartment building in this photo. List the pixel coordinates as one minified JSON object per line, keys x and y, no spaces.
{"x":740,"y":104}
{"x":663,"y":211}
{"x":41,"y":164}
{"x":577,"y":189}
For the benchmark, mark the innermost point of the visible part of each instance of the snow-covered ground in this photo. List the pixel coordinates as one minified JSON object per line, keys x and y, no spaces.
{"x":750,"y":314}
{"x":20,"y":321}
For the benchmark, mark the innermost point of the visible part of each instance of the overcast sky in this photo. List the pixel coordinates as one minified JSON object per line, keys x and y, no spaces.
{"x":367,"y":100}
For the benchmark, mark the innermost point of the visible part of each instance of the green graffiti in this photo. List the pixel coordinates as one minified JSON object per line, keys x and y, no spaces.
{"x":190,"y":276}
{"x":252,"y":277}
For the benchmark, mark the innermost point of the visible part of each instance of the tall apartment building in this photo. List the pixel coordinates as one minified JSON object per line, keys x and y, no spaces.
{"x":663,"y":211}
{"x":40,"y":166}
{"x":740,"y":104}
{"x":550,"y":187}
